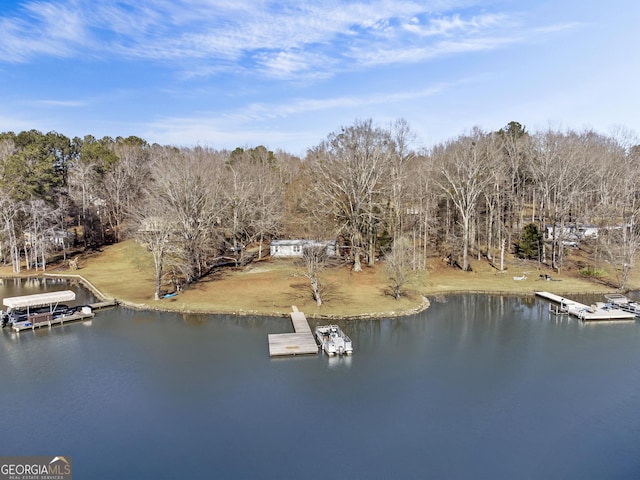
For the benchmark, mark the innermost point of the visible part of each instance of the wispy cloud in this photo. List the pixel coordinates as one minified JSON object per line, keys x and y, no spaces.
{"x":305,"y":106}
{"x":255,"y":120}
{"x":456,"y":24}
{"x":60,"y":103}
{"x":49,"y":29}
{"x":557,"y":27}
{"x":283,"y":39}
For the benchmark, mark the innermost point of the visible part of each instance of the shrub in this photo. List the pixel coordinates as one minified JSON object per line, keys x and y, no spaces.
{"x":592,"y":272}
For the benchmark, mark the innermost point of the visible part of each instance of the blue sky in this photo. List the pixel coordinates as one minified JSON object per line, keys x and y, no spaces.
{"x":284,"y":73}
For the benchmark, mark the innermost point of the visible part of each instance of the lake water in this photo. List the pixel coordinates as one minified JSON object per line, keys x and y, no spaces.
{"x":475,"y":387}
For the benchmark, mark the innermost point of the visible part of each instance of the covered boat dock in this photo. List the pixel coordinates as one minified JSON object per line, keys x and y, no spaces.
{"x":50,"y":299}
{"x":40,"y":309}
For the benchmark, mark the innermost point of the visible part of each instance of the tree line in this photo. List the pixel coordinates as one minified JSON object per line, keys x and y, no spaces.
{"x":479,"y":195}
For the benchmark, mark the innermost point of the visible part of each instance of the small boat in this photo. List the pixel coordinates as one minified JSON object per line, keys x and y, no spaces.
{"x":333,"y":340}
{"x":615,"y":300}
{"x":16,"y":316}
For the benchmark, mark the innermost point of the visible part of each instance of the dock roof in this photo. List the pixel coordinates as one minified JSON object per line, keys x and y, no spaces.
{"x":39,"y":299}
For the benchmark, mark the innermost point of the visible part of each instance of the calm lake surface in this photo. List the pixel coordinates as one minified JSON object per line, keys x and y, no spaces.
{"x":475,"y":387}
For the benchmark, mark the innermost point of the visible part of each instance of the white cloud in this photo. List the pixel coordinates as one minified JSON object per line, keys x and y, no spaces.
{"x":418,"y":54}
{"x":279,"y":39}
{"x":46,"y":28}
{"x":447,"y":26}
{"x":60,"y":103}
{"x":236,"y":123}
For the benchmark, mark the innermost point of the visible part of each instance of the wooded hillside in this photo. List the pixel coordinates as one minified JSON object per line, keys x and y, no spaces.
{"x":196,"y":209}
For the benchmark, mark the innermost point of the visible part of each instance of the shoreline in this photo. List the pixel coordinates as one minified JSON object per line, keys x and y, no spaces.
{"x":422,"y":306}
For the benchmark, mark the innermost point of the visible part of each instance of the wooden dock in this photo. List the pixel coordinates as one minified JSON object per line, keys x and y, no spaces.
{"x":585,"y":313}
{"x":302,"y":342}
{"x":47,"y":319}
{"x":105,"y":304}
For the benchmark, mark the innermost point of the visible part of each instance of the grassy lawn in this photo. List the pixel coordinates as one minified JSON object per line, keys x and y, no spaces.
{"x":125,"y":271}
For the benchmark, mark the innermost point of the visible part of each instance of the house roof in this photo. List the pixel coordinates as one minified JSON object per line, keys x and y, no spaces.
{"x":282,"y":243}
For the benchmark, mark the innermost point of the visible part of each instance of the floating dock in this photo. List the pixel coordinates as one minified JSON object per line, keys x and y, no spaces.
{"x":301,"y":342}
{"x":586,"y":313}
{"x":47,"y":319}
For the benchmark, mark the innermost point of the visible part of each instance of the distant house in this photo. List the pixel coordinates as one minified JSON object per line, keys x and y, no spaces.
{"x":585,"y":231}
{"x":295,"y":248}
{"x":571,"y":231}
{"x":153,"y":224}
{"x":59,"y":238}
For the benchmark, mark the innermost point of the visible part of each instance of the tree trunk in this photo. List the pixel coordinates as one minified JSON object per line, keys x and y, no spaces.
{"x":315,"y":288}
{"x":357,"y":264}
{"x":465,"y":243}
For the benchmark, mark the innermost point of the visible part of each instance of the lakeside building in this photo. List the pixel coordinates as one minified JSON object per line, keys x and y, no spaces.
{"x":295,"y":248}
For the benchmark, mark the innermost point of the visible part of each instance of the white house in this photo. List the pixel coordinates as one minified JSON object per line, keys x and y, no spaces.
{"x":294,"y":248}
{"x":585,"y":231}
{"x":59,"y":238}
{"x":572,"y":231}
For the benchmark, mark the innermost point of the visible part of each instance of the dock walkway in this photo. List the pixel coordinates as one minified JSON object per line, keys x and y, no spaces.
{"x":301,"y":342}
{"x":48,"y":320}
{"x":584,"y":312}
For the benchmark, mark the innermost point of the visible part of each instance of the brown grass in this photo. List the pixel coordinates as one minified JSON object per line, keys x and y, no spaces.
{"x":124,"y":271}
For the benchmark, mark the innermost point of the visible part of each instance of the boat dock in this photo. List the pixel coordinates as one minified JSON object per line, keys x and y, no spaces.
{"x":586,"y":313}
{"x":48,"y":319}
{"x":301,"y":342}
{"x":105,"y":304}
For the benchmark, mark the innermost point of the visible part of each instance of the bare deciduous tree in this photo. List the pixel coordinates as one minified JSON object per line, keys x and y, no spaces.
{"x":314,"y":258}
{"x":464,"y":166}
{"x":399,"y":265}
{"x":255,"y":195}
{"x":155,"y":232}
{"x":124,"y":182}
{"x":189,"y":188}
{"x":629,"y":195}
{"x":351,"y":170}
{"x":10,"y":233}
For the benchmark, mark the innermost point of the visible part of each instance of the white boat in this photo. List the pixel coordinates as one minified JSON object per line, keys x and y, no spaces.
{"x":615,"y":300}
{"x":333,"y":340}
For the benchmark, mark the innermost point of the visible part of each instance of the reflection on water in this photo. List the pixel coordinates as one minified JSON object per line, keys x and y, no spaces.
{"x":13,"y":287}
{"x":474,"y":387}
{"x":195,"y":320}
{"x":339,"y":361}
